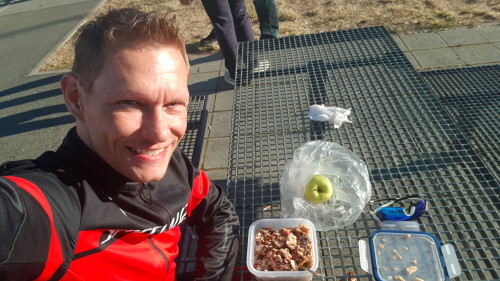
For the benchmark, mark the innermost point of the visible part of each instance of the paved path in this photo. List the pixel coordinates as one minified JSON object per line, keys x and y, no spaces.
{"x":33,"y":117}
{"x":452,"y":48}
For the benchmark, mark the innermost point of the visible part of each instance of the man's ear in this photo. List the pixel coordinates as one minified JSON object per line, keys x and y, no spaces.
{"x":72,"y":93}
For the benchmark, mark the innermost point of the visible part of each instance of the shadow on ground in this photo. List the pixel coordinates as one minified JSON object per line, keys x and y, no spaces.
{"x":4,"y":3}
{"x":27,"y":107}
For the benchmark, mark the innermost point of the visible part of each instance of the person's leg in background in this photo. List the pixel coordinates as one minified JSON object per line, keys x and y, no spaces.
{"x":267,"y":12}
{"x":231,"y":24}
{"x":209,"y":39}
{"x":243,"y":27}
{"x":242,"y":24}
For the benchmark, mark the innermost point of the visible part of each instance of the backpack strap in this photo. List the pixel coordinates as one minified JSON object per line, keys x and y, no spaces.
{"x":201,"y":187}
{"x":55,"y":257}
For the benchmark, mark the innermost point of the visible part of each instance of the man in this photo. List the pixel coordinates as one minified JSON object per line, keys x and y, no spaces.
{"x":108,"y":203}
{"x":231,"y":23}
{"x":267,"y":14}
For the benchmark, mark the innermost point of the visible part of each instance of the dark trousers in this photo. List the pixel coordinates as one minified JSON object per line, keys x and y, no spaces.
{"x":232,"y":25}
{"x":267,"y":12}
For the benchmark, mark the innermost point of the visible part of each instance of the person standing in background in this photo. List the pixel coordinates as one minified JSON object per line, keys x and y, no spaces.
{"x":267,"y":13}
{"x":231,"y":24}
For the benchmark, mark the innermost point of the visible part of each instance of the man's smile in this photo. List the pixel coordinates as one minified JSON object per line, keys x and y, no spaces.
{"x":154,"y":153}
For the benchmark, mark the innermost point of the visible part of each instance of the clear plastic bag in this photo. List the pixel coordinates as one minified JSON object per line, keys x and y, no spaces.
{"x":349,"y":176}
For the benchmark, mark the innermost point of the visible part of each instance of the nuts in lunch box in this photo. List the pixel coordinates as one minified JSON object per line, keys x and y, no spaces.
{"x":412,"y":269}
{"x":285,"y":249}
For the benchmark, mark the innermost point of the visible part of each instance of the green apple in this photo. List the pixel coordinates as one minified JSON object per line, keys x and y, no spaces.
{"x":319,"y":189}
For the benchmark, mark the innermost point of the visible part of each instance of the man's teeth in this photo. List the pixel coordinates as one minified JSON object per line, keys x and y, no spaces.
{"x":149,"y":152}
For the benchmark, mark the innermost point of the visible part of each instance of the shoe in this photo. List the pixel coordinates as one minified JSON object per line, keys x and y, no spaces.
{"x":262,"y":66}
{"x":209,"y":40}
{"x":228,"y":79}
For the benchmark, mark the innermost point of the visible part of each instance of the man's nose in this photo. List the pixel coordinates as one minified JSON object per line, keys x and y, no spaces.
{"x":155,"y":126}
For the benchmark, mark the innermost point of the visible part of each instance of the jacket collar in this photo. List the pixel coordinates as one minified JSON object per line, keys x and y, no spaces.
{"x":93,"y":167}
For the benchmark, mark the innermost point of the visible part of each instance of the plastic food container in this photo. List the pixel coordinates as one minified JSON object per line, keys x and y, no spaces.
{"x":277,"y":224}
{"x":393,"y":255}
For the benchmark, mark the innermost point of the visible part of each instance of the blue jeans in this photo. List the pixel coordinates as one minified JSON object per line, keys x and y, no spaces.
{"x":232,"y":25}
{"x":267,"y":12}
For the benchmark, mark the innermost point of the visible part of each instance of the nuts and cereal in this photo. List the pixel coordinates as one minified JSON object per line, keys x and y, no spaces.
{"x":284,"y":249}
{"x":412,"y":269}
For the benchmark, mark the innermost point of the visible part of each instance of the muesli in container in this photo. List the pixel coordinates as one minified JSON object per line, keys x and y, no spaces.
{"x":299,"y":272}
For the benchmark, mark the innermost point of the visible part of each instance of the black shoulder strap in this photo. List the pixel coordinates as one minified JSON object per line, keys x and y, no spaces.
{"x":8,"y":168}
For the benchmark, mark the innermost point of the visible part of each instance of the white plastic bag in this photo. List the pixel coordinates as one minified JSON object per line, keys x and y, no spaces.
{"x":348,"y":173}
{"x":332,"y":115}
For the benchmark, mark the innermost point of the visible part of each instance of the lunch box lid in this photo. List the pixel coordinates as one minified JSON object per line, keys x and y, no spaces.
{"x":407,"y":254}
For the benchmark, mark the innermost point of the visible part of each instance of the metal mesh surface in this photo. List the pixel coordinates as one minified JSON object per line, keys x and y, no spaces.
{"x":400,"y":128}
{"x":472,"y":97}
{"x":192,"y":141}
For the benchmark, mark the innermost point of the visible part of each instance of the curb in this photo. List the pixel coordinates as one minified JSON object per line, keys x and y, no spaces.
{"x":35,"y":70}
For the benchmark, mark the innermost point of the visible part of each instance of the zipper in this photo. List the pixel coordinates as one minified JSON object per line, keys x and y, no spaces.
{"x":145,"y":194}
{"x":165,"y":258}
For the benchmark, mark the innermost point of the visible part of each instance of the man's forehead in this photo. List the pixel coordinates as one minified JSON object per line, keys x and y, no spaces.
{"x":170,"y":49}
{"x":130,"y":73}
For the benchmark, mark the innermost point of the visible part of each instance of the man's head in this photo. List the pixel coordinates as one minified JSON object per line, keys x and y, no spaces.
{"x":128,"y":91}
{"x":116,"y":30}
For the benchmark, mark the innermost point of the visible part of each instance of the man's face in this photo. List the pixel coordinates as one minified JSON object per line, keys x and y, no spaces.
{"x":136,"y":113}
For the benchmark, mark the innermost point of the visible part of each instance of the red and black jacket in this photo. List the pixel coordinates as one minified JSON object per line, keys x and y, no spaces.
{"x":67,"y":215}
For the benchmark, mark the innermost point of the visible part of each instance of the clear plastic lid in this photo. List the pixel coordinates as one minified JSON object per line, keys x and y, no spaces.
{"x":399,"y":255}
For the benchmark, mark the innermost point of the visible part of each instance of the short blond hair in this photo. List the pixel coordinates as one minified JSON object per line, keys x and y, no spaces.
{"x":117,"y":29}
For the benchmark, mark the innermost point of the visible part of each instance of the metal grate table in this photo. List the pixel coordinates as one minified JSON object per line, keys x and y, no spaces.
{"x":472,"y":97}
{"x":192,"y":141}
{"x":401,"y":129}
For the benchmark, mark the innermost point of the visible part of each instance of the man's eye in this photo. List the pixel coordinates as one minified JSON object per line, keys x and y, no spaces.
{"x":172,"y":104}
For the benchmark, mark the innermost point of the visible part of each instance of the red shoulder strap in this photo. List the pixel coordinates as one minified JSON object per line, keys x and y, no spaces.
{"x":55,"y":257}
{"x":201,"y":186}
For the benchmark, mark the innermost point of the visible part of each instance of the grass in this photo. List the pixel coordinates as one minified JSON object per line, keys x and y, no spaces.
{"x":311,"y":16}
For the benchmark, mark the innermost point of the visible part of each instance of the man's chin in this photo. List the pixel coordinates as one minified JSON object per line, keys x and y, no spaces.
{"x":147,"y":177}
{"x":146,"y":173}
